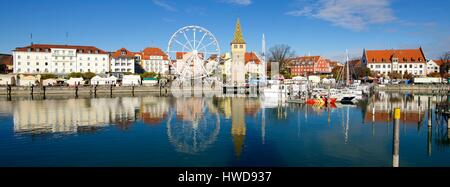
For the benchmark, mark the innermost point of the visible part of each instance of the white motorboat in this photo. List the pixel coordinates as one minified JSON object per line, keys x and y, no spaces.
{"x":276,"y":90}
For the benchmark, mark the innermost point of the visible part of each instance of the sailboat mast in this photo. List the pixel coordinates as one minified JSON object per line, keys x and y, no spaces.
{"x":348,"y":73}
{"x":263,"y":48}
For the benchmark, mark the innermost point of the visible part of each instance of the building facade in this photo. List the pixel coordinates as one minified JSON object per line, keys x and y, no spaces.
{"x":433,"y":67}
{"x":253,"y":65}
{"x":401,"y":61}
{"x":154,"y":60}
{"x":122,"y":61}
{"x":310,"y":65}
{"x":59,"y":59}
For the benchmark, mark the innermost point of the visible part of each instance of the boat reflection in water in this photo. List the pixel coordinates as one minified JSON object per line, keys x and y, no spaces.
{"x":224,"y":131}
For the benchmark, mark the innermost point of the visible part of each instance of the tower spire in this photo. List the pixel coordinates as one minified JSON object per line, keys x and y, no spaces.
{"x":238,"y":37}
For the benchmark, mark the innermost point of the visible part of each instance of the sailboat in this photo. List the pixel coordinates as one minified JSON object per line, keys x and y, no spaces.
{"x":350,"y":92}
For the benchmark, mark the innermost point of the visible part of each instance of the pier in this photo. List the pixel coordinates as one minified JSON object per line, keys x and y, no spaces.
{"x":10,"y":91}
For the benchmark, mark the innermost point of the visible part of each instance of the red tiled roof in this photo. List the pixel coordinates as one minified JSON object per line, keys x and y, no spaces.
{"x":335,"y":64}
{"x":152,"y":51}
{"x":180,"y":55}
{"x":119,"y":52}
{"x":403,"y":55}
{"x":80,"y":49}
{"x":252,"y":57}
{"x":440,"y":62}
{"x":307,"y":58}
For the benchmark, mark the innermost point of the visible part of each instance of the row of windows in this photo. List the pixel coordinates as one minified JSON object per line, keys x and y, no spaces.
{"x":399,"y":66}
{"x":37,"y":70}
{"x":240,"y":46}
{"x":62,"y":51}
{"x":122,"y":60}
{"x":402,"y":72}
{"x":28,"y":57}
{"x":56,"y":58}
{"x":56,"y":64}
{"x":396,"y":60}
{"x":123,"y":64}
{"x":122,"y":70}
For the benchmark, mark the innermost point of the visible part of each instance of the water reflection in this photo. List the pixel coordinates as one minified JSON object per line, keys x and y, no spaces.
{"x":72,"y":115}
{"x":194,"y":126}
{"x":381,"y":105}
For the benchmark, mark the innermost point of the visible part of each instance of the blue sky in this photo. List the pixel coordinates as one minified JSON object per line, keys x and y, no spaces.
{"x":318,"y":27}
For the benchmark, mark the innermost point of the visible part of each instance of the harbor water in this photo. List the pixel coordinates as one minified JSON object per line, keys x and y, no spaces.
{"x":154,"y":131}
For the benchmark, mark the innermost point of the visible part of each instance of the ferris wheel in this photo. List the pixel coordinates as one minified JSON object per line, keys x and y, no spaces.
{"x":196,"y":53}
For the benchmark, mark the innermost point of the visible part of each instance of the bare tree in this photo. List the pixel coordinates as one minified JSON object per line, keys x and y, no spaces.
{"x":282,"y":54}
{"x":445,"y":66}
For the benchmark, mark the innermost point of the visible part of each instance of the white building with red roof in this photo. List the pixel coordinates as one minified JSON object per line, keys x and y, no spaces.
{"x":253,"y":64}
{"x":122,"y":61}
{"x":59,"y":59}
{"x":401,"y":61}
{"x":154,"y":60}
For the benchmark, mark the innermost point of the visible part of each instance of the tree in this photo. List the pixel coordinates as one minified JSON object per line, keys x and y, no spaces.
{"x":434,"y":74}
{"x":361,"y":72}
{"x":337,"y":71}
{"x":282,"y":54}
{"x":88,"y":75}
{"x":149,"y":75}
{"x":48,"y":76}
{"x":445,"y":59}
{"x":395,"y":75}
{"x":75,"y":75}
{"x":3,"y":68}
{"x":408,"y":76}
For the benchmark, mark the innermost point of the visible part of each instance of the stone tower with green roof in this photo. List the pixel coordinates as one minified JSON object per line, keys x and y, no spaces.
{"x":238,"y":50}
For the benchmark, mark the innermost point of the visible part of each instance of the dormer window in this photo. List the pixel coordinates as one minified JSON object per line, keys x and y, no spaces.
{"x":404,"y":60}
{"x":46,"y":50}
{"x":382,"y":60}
{"x":89,"y":51}
{"x":96,"y":51}
{"x":29,"y":49}
{"x":37,"y":50}
{"x":124,"y":52}
{"x":373,"y":59}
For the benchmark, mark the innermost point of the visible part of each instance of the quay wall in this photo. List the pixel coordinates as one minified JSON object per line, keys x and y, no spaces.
{"x":82,"y":90}
{"x":432,"y":88}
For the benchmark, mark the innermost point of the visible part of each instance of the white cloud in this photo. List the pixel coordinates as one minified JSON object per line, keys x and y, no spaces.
{"x":238,"y":2}
{"x":164,"y":4}
{"x":356,"y":15}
